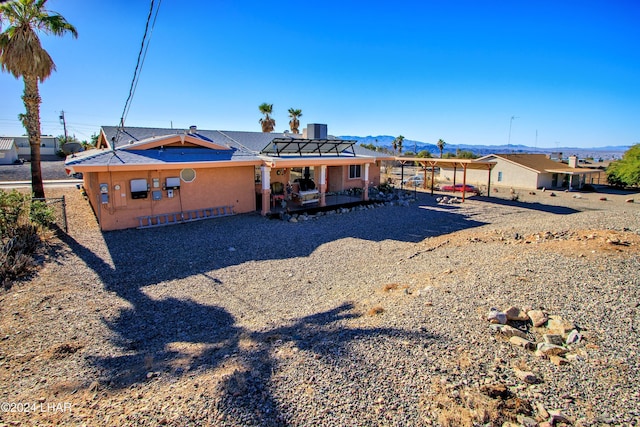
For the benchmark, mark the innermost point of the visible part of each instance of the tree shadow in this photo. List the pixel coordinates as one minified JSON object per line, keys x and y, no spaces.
{"x":179,"y":251}
{"x":169,"y":337}
{"x":172,"y":337}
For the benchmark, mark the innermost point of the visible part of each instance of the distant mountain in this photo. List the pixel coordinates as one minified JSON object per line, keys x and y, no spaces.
{"x":386,"y":141}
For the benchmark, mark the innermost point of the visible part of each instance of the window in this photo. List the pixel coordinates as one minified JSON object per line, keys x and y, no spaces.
{"x":499,"y":176}
{"x":355,"y":171}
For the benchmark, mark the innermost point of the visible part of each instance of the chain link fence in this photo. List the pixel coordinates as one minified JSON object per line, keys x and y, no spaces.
{"x":58,"y":207}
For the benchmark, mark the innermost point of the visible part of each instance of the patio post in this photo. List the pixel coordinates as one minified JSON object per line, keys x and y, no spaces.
{"x":265,"y":172}
{"x":323,"y":185}
{"x":433,"y":176}
{"x":365,"y":192}
{"x":464,"y":180}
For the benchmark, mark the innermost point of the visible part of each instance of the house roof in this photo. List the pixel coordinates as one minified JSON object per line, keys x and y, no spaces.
{"x":135,"y":147}
{"x":537,"y":162}
{"x":251,"y":141}
{"x":540,"y":163}
{"x":6,"y":144}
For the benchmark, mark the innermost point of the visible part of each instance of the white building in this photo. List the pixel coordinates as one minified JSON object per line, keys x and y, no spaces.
{"x":48,"y":146}
{"x":8,"y":151}
{"x":526,"y":171}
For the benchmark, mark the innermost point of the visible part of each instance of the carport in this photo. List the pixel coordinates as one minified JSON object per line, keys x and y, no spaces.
{"x":450,"y":163}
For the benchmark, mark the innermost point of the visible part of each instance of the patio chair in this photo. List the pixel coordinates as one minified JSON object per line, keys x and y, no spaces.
{"x":277,"y":192}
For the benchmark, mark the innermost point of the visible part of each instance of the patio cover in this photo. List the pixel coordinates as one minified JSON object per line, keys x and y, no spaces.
{"x":300,"y":146}
{"x":454,"y":163}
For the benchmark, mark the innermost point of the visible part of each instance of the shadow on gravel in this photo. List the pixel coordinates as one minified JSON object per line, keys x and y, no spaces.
{"x":558,"y":210}
{"x":176,"y":252}
{"x":173,"y":337}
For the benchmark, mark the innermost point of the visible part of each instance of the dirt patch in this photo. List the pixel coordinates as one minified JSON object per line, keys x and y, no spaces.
{"x":61,"y":351}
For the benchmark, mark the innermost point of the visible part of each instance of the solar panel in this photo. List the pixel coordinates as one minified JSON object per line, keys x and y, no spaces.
{"x":299,"y":146}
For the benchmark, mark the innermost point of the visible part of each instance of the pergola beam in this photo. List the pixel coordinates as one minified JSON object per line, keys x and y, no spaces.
{"x":465,"y":164}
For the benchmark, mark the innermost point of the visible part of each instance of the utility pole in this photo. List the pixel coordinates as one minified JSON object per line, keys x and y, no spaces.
{"x":510,"y":123}
{"x":64,"y":124}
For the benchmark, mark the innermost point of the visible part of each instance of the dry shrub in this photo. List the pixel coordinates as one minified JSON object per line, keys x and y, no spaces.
{"x":470,"y":407}
{"x":464,"y":359}
{"x":61,"y":351}
{"x":390,"y":287}
{"x":16,"y":253}
{"x":393,"y":287}
{"x":375,"y":310}
{"x":20,"y":235}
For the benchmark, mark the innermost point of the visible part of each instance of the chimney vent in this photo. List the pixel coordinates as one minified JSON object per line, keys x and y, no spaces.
{"x":316,"y":131}
{"x":573,"y":161}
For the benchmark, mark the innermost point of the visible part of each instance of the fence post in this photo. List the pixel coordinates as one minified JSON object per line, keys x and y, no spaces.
{"x":64,"y":214}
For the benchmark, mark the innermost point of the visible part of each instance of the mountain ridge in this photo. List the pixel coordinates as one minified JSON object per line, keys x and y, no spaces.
{"x":386,"y":141}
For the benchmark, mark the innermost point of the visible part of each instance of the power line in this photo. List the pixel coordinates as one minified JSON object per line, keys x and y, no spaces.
{"x":144,"y":46}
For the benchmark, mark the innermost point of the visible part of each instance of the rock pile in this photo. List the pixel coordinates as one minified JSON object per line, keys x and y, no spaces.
{"x":400,"y":199}
{"x":550,"y":337}
{"x":447,"y":200}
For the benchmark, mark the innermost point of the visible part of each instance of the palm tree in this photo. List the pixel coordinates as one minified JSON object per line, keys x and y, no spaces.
{"x":22,"y":55}
{"x":441,"y":145}
{"x":400,"y":139}
{"x":294,"y":123}
{"x":397,"y":144}
{"x":268,"y":123}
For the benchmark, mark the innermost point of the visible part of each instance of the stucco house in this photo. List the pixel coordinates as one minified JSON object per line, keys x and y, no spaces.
{"x":8,"y":151}
{"x":147,"y":177}
{"x":527,"y":171}
{"x":48,"y":147}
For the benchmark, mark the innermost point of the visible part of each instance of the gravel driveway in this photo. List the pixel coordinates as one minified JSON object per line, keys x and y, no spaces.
{"x":373,"y":317}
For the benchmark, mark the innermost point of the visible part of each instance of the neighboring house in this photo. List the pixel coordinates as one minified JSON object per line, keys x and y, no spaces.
{"x":8,"y":151}
{"x":528,"y":171}
{"x":48,"y":147}
{"x":145,"y":177}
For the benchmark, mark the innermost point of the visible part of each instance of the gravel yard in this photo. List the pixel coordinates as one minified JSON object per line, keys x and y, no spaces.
{"x":372,"y":317}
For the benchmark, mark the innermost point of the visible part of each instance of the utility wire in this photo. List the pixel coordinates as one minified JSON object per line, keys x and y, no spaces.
{"x":144,"y":56}
{"x":144,"y":46}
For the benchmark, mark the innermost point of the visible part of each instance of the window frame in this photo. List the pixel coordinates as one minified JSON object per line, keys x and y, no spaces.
{"x":355,"y":171}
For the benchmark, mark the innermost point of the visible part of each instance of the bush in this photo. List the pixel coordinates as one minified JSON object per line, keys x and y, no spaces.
{"x":626,"y":171}
{"x":41,"y":213}
{"x":385,"y":188}
{"x":21,"y":224}
{"x":12,"y":208}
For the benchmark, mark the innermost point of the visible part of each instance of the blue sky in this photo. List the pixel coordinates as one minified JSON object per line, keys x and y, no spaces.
{"x":569,"y":71}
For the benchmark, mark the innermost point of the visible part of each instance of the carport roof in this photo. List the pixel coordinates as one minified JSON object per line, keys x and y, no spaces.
{"x":6,"y":143}
{"x":450,"y":163}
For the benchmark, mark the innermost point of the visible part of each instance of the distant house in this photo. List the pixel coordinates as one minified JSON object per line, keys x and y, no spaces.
{"x":8,"y":151}
{"x":146,"y":177}
{"x":528,"y":171}
{"x":48,"y":147}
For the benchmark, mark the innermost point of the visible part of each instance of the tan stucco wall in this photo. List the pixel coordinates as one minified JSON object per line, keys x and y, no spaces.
{"x":512,"y":176}
{"x":212,"y":187}
{"x":338,"y":177}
